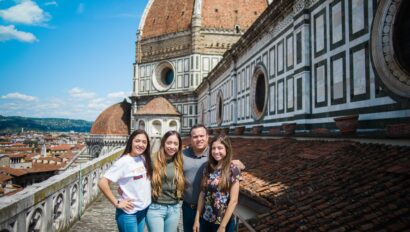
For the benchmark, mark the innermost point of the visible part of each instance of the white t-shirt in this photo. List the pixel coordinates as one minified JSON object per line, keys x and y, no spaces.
{"x":130,"y":174}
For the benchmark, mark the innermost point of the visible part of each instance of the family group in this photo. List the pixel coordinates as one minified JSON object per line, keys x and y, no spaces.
{"x":202,"y":180}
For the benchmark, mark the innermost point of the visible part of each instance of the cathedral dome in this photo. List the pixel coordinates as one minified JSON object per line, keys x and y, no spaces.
{"x":162,"y":17}
{"x":114,"y":120}
{"x":158,"y":106}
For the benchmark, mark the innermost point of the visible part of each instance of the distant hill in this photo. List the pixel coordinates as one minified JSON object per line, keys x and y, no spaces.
{"x":15,"y":123}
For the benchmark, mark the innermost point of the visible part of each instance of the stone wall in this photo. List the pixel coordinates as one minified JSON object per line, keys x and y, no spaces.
{"x":304,"y":62}
{"x":55,"y":204}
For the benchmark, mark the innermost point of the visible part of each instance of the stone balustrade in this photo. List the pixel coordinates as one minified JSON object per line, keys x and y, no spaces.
{"x":55,"y":204}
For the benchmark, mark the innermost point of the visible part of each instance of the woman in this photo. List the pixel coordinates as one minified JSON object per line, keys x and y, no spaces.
{"x":167,"y":185}
{"x":220,"y":189}
{"x":132,"y":172}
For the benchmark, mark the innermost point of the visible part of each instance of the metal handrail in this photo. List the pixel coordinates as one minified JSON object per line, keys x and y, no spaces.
{"x":247,"y":225}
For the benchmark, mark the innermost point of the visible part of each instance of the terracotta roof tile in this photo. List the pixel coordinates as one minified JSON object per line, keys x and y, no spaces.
{"x":5,"y":177}
{"x":115,"y":120}
{"x":158,"y":106}
{"x":326,"y":186}
{"x":13,"y":171}
{"x":61,"y":147}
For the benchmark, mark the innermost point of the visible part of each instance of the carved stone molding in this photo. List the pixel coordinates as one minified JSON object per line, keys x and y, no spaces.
{"x":386,"y":37}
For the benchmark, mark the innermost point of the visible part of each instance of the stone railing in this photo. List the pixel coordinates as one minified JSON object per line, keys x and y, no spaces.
{"x":55,"y":204}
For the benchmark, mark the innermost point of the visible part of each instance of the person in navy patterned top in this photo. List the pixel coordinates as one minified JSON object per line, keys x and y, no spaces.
{"x":219,"y":189}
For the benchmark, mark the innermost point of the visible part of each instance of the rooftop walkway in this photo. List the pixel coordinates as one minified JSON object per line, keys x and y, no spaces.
{"x":312,"y":185}
{"x":98,"y":217}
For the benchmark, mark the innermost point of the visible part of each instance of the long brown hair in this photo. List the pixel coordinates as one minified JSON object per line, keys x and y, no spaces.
{"x":224,"y":183}
{"x":159,"y":168}
{"x":147,"y":152}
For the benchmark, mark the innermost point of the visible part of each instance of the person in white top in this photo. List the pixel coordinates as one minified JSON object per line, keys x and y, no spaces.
{"x":132,"y":172}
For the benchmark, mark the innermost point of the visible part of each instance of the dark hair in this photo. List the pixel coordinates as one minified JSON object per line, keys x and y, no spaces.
{"x":147,"y":152}
{"x":198,"y":126}
{"x":169,"y":133}
{"x":224,"y":184}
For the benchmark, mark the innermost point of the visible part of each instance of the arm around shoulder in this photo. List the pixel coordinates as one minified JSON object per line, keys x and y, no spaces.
{"x":239,"y":164}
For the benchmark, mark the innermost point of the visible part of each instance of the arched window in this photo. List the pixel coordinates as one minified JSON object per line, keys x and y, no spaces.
{"x":173,"y":125}
{"x":157,"y":128}
{"x":219,"y":108}
{"x":141,"y":125}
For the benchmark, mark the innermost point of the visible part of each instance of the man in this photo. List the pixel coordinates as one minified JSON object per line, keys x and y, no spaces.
{"x":195,"y":158}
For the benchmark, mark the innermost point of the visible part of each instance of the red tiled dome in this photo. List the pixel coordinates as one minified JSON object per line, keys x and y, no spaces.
{"x":170,"y":16}
{"x":158,"y":106}
{"x":115,"y":120}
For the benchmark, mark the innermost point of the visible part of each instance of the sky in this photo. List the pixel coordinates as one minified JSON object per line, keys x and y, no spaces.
{"x":66,"y":58}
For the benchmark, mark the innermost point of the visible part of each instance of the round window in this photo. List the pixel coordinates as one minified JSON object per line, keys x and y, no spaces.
{"x":167,"y":76}
{"x":164,"y":76}
{"x":259,"y":89}
{"x":401,"y":36}
{"x":389,"y":47}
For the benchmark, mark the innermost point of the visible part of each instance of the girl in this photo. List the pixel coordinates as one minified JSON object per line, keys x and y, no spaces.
{"x":167,"y":185}
{"x":132,"y":172}
{"x":220,"y":189}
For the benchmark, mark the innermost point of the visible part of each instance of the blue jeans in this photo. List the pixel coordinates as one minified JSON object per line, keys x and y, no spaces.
{"x":188,"y":217}
{"x":163,"y":217}
{"x":206,"y":226}
{"x":130,"y":222}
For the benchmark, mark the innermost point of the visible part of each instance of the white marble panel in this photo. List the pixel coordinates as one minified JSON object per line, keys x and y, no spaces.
{"x":142,"y":71}
{"x":357,"y":15}
{"x":186,"y":80}
{"x":265,"y":59}
{"x":179,"y":65}
{"x":179,"y":80}
{"x":320,"y":33}
{"x":289,"y":93}
{"x":289,"y":51}
{"x":272,"y":98}
{"x":280,"y":57}
{"x":238,"y":82}
{"x":337,"y":76}
{"x":148,"y":70}
{"x":186,"y":65}
{"x":205,"y":64}
{"x":280,"y":96}
{"x":359,"y":72}
{"x":272,"y":62}
{"x":320,"y":84}
{"x":245,"y":79}
{"x":214,"y":62}
{"x":147,"y":85}
{"x":243,"y":107}
{"x":247,"y":112}
{"x":337,"y":33}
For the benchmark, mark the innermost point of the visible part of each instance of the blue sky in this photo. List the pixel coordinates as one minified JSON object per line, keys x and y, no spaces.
{"x":66,"y":58}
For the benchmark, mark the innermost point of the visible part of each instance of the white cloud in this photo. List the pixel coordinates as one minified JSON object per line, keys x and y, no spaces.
{"x":26,"y":12}
{"x":18,"y":96}
{"x":98,"y":104}
{"x":10,"y":33}
{"x":51,"y":3}
{"x":117,"y":95}
{"x":80,"y":8}
{"x":79,"y":93}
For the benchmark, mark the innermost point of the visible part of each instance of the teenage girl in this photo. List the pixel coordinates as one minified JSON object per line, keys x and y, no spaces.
{"x":167,"y":184}
{"x":220,"y":189}
{"x":132,"y":172}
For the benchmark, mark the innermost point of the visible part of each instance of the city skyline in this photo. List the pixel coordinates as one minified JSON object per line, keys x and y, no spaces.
{"x":66,"y":59}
